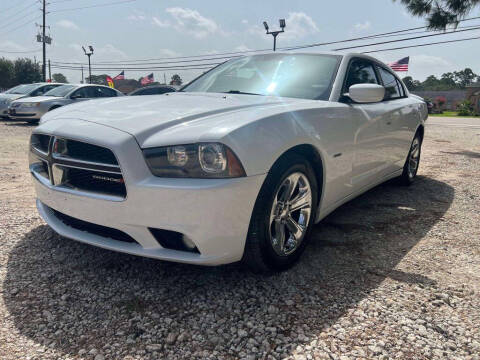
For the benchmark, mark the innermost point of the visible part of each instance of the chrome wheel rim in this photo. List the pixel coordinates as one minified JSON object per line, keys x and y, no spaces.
{"x":290,"y":214}
{"x":414,"y":158}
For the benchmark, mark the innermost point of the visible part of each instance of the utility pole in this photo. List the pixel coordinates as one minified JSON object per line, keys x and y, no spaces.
{"x":90,"y":53}
{"x":44,"y":70}
{"x":49,"y":72}
{"x":164,"y":79}
{"x":275,"y":33}
{"x":81,"y":82}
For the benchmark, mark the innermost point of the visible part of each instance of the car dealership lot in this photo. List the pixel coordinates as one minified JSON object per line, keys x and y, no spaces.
{"x":394,"y":273}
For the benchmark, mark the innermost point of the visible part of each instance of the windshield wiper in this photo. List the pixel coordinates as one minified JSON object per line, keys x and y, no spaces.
{"x":241,"y":92}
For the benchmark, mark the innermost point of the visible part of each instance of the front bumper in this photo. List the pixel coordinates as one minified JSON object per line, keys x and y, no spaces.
{"x":213,"y":213}
{"x":31,"y":114}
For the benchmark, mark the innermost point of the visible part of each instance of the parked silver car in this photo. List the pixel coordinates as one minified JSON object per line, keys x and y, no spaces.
{"x":32,"y":109}
{"x":21,"y":91}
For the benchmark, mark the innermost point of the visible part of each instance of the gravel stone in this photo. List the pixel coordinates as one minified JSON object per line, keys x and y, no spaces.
{"x":392,"y":274}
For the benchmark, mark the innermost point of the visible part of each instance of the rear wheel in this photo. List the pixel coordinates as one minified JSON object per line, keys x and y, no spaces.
{"x":282,"y":217}
{"x":412,"y":163}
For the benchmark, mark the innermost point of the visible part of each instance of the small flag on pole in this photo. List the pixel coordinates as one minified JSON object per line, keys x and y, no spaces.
{"x":120,"y":76}
{"x":400,"y":65}
{"x":110,"y":82}
{"x":147,"y":79}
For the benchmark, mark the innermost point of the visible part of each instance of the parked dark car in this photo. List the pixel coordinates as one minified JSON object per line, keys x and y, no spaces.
{"x":153,"y":90}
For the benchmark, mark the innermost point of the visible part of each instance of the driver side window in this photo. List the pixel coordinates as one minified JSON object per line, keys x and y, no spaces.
{"x":80,"y":93}
{"x":360,"y":72}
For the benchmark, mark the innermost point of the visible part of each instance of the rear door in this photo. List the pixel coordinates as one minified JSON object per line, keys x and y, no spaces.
{"x":369,"y":159}
{"x":399,"y":122}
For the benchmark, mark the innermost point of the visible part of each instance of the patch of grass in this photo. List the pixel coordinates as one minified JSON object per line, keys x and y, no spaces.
{"x":450,"y":114}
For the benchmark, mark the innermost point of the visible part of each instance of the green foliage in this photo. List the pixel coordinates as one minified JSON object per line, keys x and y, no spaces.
{"x":7,"y":74}
{"x":26,"y":71}
{"x":176,"y":80}
{"x":465,"y":108}
{"x":59,"y":78}
{"x":98,"y":79}
{"x":448,"y":81}
{"x":440,"y":13}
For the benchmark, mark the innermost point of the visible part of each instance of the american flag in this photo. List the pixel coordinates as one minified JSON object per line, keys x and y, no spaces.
{"x":120,"y":76}
{"x":400,"y":65}
{"x":147,"y":79}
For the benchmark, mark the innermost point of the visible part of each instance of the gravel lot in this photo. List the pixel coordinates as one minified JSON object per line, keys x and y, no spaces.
{"x":393,"y":274}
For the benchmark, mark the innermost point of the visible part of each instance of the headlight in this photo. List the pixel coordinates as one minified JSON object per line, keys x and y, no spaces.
{"x":204,"y":160}
{"x":30,"y":104}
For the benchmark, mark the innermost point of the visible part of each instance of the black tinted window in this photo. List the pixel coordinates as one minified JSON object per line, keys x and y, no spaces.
{"x":81,"y":93}
{"x":392,"y":87}
{"x":104,"y":92}
{"x":360,"y":72}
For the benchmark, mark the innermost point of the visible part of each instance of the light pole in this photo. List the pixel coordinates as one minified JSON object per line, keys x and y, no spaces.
{"x":275,"y":33}
{"x":90,"y":53}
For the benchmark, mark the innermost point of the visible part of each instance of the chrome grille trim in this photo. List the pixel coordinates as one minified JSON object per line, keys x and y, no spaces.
{"x":63,"y":170}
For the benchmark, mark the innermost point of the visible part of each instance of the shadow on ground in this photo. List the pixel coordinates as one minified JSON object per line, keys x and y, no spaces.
{"x":71,"y":296}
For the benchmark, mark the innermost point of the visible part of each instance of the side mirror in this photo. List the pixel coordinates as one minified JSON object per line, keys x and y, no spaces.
{"x":366,"y":93}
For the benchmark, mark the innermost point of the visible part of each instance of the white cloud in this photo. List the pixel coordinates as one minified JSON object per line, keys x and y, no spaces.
{"x":358,"y":27}
{"x":299,"y":25}
{"x":242,"y":47}
{"x":192,"y":22}
{"x":9,"y":45}
{"x":67,"y":24}
{"x":160,"y":23}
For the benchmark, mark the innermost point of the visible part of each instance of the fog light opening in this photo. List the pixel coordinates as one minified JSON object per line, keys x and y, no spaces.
{"x":188,"y":243}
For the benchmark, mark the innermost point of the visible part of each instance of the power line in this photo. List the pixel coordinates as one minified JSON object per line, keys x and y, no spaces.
{"x":421,"y":45}
{"x":93,"y":6}
{"x":22,"y":25}
{"x":14,"y":6}
{"x":406,"y":39}
{"x":97,"y":68}
{"x":126,"y":64}
{"x":242,"y":53}
{"x":19,"y":52}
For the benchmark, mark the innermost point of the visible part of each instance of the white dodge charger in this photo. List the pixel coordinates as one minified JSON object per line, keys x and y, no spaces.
{"x":238,"y":165}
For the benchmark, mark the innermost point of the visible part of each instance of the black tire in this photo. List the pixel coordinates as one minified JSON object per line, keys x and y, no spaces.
{"x":54,"y":107}
{"x":259,"y":255}
{"x":408,"y":176}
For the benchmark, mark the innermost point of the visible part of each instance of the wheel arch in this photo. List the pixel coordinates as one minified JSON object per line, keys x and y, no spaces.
{"x":420,"y":131}
{"x":53,"y":107}
{"x":314,"y":157}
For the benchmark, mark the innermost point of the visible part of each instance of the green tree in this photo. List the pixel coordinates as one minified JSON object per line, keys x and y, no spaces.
{"x":408,"y":81}
{"x":440,"y":13}
{"x":176,"y":80}
{"x":26,"y":71}
{"x":98,"y":79}
{"x":464,"y":77}
{"x":59,"y":78}
{"x":7,"y":74}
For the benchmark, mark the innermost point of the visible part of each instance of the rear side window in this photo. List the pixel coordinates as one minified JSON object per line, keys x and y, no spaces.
{"x":360,"y":72}
{"x":393,"y":89}
{"x":104,"y":92}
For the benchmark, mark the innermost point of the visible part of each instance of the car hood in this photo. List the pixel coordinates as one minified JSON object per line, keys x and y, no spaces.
{"x":145,"y":116}
{"x":37,"y":99}
{"x":11,"y":97}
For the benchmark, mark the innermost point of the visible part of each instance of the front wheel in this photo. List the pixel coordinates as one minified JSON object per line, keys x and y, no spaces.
{"x":282,"y":217}
{"x":412,"y":163}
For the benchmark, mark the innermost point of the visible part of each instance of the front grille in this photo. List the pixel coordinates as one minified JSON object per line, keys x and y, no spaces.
{"x":110,"y":184}
{"x":77,"y":166}
{"x":95,"y":229}
{"x":40,"y":142}
{"x":85,"y":152}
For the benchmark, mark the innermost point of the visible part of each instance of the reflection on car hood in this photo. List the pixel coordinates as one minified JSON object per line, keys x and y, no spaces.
{"x":10,"y":97}
{"x":142,"y":116}
{"x":37,"y":99}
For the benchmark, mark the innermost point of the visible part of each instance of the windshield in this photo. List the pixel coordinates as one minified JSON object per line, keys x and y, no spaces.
{"x":305,"y":76}
{"x":22,"y":89}
{"x":60,"y":90}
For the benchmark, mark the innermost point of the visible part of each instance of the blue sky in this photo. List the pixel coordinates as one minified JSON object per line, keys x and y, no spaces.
{"x":155,"y":29}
